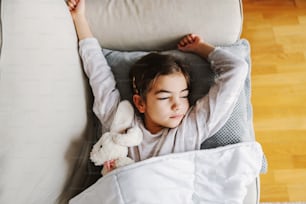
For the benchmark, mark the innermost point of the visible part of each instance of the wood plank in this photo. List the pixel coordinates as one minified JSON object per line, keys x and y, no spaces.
{"x":290,"y":177}
{"x":276,"y":31}
{"x":296,"y":192}
{"x":274,"y":192}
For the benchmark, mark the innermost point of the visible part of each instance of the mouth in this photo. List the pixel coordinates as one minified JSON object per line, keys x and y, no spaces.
{"x":177,"y":116}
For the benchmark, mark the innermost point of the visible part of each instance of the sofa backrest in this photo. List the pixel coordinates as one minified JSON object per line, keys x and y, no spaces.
{"x":159,"y":24}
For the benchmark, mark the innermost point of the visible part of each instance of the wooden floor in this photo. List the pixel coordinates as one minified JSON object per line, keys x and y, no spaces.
{"x":276,"y":30}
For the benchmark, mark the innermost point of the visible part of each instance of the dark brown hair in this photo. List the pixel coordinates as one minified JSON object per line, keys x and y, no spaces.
{"x":146,"y":70}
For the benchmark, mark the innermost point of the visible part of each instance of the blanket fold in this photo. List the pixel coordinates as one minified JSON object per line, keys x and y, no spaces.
{"x":219,"y":175}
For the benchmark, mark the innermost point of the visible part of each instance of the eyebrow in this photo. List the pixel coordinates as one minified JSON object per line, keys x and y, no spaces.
{"x":166,"y":91}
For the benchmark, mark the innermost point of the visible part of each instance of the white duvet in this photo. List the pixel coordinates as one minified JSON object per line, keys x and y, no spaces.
{"x":211,"y":176}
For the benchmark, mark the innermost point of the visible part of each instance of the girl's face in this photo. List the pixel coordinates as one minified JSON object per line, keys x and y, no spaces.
{"x":166,"y":102}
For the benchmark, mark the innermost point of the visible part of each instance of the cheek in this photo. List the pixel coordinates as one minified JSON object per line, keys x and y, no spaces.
{"x":156,"y":105}
{"x":186,"y":105}
{"x":157,"y":108}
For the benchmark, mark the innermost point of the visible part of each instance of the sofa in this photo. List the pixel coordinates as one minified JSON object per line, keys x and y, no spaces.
{"x":47,"y":125}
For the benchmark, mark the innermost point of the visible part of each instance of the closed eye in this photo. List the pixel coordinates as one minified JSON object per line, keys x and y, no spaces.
{"x":163,"y":98}
{"x":185,"y":93}
{"x":163,"y":94}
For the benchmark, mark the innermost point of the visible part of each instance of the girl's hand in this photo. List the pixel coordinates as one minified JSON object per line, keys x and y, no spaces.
{"x":195,"y":44}
{"x":190,"y":43}
{"x":76,"y":7}
{"x":109,"y":165}
{"x":77,"y":10}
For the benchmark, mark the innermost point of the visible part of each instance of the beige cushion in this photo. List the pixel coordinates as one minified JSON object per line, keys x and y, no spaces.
{"x":159,"y":24}
{"x":43,"y":114}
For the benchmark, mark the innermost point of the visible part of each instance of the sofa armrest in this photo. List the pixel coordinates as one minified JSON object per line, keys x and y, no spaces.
{"x":43,"y":107}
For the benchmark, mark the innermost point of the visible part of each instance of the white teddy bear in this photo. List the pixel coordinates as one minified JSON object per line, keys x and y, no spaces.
{"x":112,"y":148}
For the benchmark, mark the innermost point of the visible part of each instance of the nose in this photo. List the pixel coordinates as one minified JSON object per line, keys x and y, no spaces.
{"x":176,"y":103}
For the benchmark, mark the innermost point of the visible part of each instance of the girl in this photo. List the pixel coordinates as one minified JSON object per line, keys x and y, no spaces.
{"x":160,"y":92}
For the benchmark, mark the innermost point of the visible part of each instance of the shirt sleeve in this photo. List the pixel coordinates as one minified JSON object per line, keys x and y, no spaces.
{"x":216,"y":107}
{"x":101,"y":80}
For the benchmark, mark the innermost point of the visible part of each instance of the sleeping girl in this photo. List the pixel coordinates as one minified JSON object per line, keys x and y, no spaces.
{"x":161,"y":87}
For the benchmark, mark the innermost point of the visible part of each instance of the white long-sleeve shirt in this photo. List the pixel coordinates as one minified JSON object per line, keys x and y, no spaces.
{"x":202,"y":120}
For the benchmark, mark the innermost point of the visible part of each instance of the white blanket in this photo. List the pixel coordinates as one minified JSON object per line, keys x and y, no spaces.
{"x":211,"y":176}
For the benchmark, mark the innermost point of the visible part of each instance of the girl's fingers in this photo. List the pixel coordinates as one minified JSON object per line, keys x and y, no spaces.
{"x":190,"y":38}
{"x":193,"y":36}
{"x":106,"y":165}
{"x":187,"y":40}
{"x":70,"y":5}
{"x":112,"y":165}
{"x":181,"y":43}
{"x":109,"y":165}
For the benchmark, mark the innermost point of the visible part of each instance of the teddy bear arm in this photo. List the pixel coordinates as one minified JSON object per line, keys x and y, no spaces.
{"x":123,"y":161}
{"x":133,"y":137}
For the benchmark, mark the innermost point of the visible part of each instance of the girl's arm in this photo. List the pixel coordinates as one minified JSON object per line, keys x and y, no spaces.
{"x":216,"y":107}
{"x":77,"y":11}
{"x":101,"y":79}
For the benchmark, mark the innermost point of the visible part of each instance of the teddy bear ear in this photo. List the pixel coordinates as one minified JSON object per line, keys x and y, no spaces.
{"x":123,"y":117}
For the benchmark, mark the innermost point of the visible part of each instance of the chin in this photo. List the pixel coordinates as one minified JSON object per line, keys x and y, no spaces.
{"x":174,"y":125}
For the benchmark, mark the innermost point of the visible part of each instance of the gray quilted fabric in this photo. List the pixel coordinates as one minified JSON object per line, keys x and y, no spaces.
{"x":234,"y":130}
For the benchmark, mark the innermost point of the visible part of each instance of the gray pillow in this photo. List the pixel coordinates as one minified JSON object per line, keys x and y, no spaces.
{"x":202,"y":77}
{"x":238,"y":128}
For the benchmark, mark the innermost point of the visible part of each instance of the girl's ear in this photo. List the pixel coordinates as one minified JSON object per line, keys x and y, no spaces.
{"x":139,"y":103}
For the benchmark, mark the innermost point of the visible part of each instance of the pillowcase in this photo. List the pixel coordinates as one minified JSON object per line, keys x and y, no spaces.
{"x":238,"y":128}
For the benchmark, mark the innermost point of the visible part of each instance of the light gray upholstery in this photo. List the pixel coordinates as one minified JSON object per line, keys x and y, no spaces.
{"x":43,"y":107}
{"x":159,"y":24}
{"x":45,"y":101}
